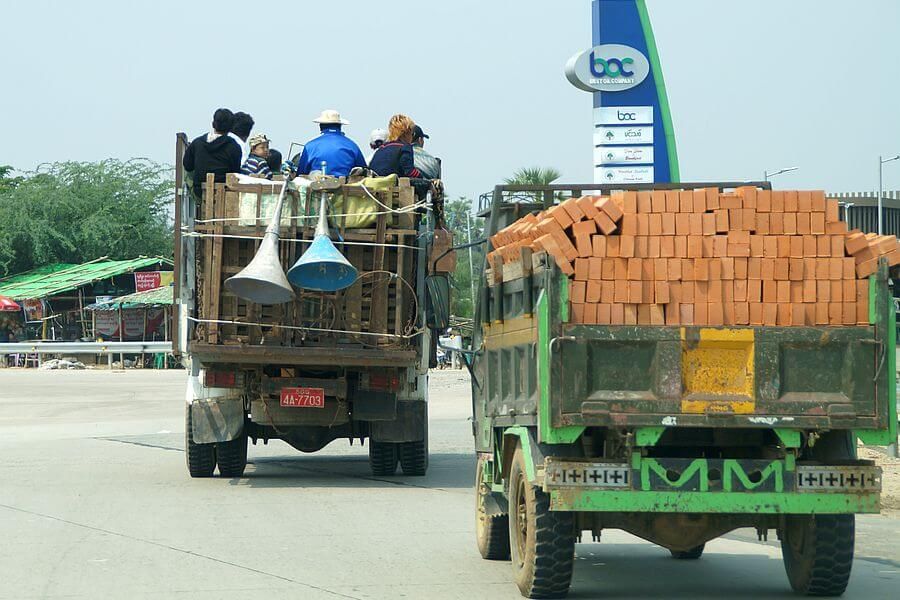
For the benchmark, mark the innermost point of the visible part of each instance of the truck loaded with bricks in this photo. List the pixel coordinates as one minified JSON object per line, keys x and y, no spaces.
{"x":678,"y":361}
{"x":314,"y":366}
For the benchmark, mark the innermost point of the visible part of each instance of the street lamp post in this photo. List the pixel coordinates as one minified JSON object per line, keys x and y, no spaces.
{"x":766,"y":174}
{"x":881,"y":162}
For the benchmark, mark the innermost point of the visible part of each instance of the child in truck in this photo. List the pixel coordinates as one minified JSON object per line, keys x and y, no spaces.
{"x":257,"y":164}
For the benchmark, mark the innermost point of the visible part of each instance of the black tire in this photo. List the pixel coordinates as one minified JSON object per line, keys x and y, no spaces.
{"x":382,"y":458}
{"x":692,"y":554}
{"x":818,"y":553}
{"x":232,"y":456}
{"x":491,"y":531}
{"x":200,"y":458}
{"x":542,"y":542}
{"x":414,"y":458}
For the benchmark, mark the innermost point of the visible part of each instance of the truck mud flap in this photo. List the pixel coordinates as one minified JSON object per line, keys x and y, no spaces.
{"x":409,"y":426}
{"x":217,"y":419}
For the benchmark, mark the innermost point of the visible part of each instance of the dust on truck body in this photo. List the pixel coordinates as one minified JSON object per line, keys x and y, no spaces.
{"x":676,"y":434}
{"x":349,"y":365}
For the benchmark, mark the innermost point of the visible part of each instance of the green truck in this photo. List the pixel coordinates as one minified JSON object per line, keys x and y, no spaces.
{"x":588,"y":427}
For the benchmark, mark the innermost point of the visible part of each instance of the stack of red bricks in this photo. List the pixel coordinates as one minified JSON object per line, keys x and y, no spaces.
{"x":701,"y":257}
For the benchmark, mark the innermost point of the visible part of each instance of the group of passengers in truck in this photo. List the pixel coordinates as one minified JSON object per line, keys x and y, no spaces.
{"x":230,"y":148}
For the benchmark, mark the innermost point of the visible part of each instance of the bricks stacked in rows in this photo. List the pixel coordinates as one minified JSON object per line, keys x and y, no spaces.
{"x":701,"y":257}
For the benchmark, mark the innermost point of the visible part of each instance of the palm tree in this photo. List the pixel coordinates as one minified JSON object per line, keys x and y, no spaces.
{"x":534,"y":176}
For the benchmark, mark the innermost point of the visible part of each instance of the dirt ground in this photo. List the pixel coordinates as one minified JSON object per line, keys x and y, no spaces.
{"x":890,"y":479}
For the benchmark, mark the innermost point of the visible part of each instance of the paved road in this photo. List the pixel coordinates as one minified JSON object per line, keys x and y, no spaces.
{"x":95,"y":502}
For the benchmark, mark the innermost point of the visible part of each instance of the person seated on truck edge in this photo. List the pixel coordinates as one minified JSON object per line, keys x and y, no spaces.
{"x":214,"y":152}
{"x":376,"y":141}
{"x":339,"y":153}
{"x":256,"y":164}
{"x":274,"y":160}
{"x":428,"y":165}
{"x":395,"y":157}
{"x":240,"y":131}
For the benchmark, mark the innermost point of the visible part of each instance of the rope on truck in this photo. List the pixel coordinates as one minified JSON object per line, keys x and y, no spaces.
{"x":293,"y":240}
{"x":415,"y":333}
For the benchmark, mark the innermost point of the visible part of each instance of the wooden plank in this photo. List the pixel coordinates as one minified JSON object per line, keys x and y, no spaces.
{"x":400,"y":290}
{"x":378,"y":311}
{"x":406,"y":196}
{"x":353,"y":294}
{"x":215,"y":277}
{"x":203,"y":288}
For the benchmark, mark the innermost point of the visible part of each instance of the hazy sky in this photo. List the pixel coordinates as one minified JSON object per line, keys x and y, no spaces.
{"x":752,"y":85}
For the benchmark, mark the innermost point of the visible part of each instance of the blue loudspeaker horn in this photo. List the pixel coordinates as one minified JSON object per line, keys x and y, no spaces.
{"x":322,"y":267}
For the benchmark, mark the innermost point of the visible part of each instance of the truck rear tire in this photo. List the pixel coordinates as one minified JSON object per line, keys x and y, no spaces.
{"x":818,"y":553}
{"x":231,"y":456}
{"x":491,"y":531}
{"x":382,"y":458}
{"x":414,"y":458}
{"x":542,"y":542}
{"x":692,"y":554}
{"x":200,"y":458}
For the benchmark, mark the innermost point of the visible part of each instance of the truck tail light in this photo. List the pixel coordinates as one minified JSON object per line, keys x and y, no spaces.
{"x":222,"y":379}
{"x":380,"y":382}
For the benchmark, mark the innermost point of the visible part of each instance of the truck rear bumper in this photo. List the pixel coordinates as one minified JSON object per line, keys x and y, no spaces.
{"x":713,"y":502}
{"x":703,"y":485}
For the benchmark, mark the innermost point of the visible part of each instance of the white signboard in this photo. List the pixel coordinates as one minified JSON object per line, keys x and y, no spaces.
{"x":623,"y":115}
{"x":623,"y":174}
{"x":627,"y":155}
{"x":622,"y":135}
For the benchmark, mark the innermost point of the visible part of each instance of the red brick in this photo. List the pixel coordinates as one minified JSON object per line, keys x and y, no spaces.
{"x":672,"y":202}
{"x":798,"y":314}
{"x":661,"y":292}
{"x":610,"y":208}
{"x":605,"y":224}
{"x":598,"y":245}
{"x":630,"y":314}
{"x":658,"y":201}
{"x":577,"y":290}
{"x":586,"y":204}
{"x":686,"y":314}
{"x":837,"y":291}
{"x":817,"y":223}
{"x":593,"y":291}
{"x":571,"y":207}
{"x":595,"y":270}
{"x":715,"y":314}
{"x":832,"y":211}
{"x":721,"y":217}
{"x":667,"y":246}
{"x":603,"y":314}
{"x":756,"y":313}
{"x":740,"y":268}
{"x":754,"y":290}
{"x":763,"y":201}
{"x":643,"y":202}
{"x":617,"y":314}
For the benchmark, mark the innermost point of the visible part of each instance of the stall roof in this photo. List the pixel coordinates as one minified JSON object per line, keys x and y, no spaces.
{"x":161,"y":296}
{"x":72,"y":277}
{"x":35,"y":273}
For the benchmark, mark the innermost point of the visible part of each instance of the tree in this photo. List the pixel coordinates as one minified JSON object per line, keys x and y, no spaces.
{"x":455,"y":211}
{"x":7,"y":183}
{"x":79,"y":211}
{"x":534,"y":176}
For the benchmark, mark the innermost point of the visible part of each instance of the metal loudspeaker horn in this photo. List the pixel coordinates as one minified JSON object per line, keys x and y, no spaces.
{"x":322,"y":267}
{"x":263,"y":281}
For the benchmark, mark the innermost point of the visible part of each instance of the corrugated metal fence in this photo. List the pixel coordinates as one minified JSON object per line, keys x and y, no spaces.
{"x":860,"y":210}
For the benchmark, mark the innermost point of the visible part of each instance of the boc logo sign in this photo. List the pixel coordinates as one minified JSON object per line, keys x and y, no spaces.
{"x":607,"y":68}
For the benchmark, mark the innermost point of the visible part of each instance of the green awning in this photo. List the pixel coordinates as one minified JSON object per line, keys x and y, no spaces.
{"x":35,"y":274}
{"x":42,"y":285}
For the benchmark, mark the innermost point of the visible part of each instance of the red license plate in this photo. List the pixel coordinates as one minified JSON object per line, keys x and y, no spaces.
{"x":303,"y":397}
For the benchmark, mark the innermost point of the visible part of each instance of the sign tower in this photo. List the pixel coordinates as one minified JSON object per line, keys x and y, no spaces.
{"x":634,"y":141}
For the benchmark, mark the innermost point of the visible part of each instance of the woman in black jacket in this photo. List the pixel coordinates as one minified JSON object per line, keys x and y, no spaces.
{"x":395,"y":157}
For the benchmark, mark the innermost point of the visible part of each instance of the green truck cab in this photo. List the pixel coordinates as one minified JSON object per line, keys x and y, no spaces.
{"x":676,"y":434}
